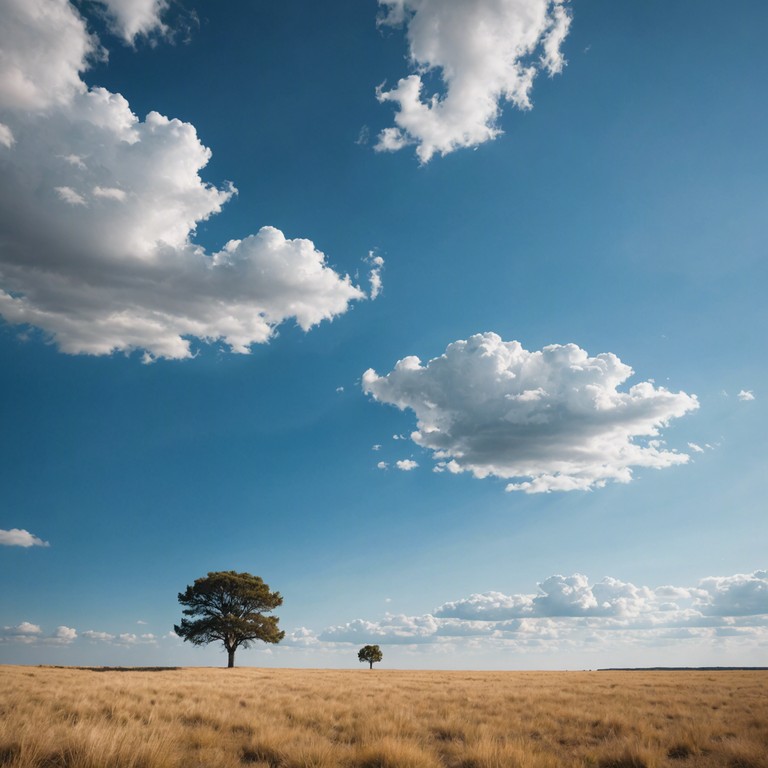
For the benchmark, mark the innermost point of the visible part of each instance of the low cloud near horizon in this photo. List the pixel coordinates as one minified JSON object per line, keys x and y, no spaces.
{"x":565,"y":613}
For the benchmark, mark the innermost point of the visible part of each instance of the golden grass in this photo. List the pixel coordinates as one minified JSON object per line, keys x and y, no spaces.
{"x":266,"y":718}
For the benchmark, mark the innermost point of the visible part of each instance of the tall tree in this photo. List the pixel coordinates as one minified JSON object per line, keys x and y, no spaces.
{"x":370,"y":653}
{"x":229,"y":607}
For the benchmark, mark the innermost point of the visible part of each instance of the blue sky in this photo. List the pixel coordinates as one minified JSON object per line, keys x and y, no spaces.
{"x":203,"y":309}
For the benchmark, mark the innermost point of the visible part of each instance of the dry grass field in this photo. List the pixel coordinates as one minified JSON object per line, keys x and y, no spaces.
{"x":264,"y":718}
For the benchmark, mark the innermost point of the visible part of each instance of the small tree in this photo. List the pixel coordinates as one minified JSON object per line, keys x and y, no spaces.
{"x":370,"y":653}
{"x":229,"y":607}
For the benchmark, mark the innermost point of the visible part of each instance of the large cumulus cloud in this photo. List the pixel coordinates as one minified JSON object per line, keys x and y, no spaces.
{"x":554,"y":419}
{"x":98,"y":210}
{"x":487,"y":52}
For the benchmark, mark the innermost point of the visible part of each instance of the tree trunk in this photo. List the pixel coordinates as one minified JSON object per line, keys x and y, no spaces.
{"x":231,"y":659}
{"x":371,"y":663}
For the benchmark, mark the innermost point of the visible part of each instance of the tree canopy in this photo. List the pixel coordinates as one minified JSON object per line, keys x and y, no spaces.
{"x":229,"y":607}
{"x":371,"y":654}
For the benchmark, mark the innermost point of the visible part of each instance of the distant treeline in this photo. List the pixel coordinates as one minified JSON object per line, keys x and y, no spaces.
{"x":682,"y":669}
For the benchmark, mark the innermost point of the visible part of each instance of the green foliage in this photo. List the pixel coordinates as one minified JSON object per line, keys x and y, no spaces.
{"x":229,"y":607}
{"x":370,"y":654}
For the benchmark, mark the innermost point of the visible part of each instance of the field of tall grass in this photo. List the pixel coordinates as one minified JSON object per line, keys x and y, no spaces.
{"x":280,"y":718}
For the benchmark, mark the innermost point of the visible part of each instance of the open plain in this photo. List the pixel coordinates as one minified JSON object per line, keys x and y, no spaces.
{"x":287,"y":718}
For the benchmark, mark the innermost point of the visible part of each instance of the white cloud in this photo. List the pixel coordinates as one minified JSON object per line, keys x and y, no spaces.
{"x":549,"y":420}
{"x":393,"y":629}
{"x":383,"y":465}
{"x":109,"y":193}
{"x":45,"y":46}
{"x":18,"y":537}
{"x":743,"y":594}
{"x":406,"y":465}
{"x":377,"y":264}
{"x":558,"y":596}
{"x":98,"y":210}
{"x":486,"y":52}
{"x":121,"y":639}
{"x":63,"y":636}
{"x":488,"y":606}
{"x":131,"y":638}
{"x":745,"y":395}
{"x":25,"y":628}
{"x":25,"y":633}
{"x":131,"y":18}
{"x":6,"y":136}
{"x":301,"y":637}
{"x":696,"y":448}
{"x":68,"y":195}
{"x":570,"y":611}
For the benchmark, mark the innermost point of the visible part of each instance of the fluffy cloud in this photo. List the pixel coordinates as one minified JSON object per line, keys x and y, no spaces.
{"x":25,"y":628}
{"x":487,"y":52}
{"x":131,"y":638}
{"x":31,"y":634}
{"x":63,"y":636}
{"x":570,"y":611}
{"x":18,"y":537}
{"x":406,"y":465}
{"x":489,"y":606}
{"x":392,"y":629}
{"x":98,"y":210}
{"x":300,"y":638}
{"x":131,"y":18}
{"x":739,"y":595}
{"x":121,"y":639}
{"x":45,"y":47}
{"x":6,"y":136}
{"x":558,"y":596}
{"x":745,"y":395}
{"x":377,"y":265}
{"x":551,"y":420}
